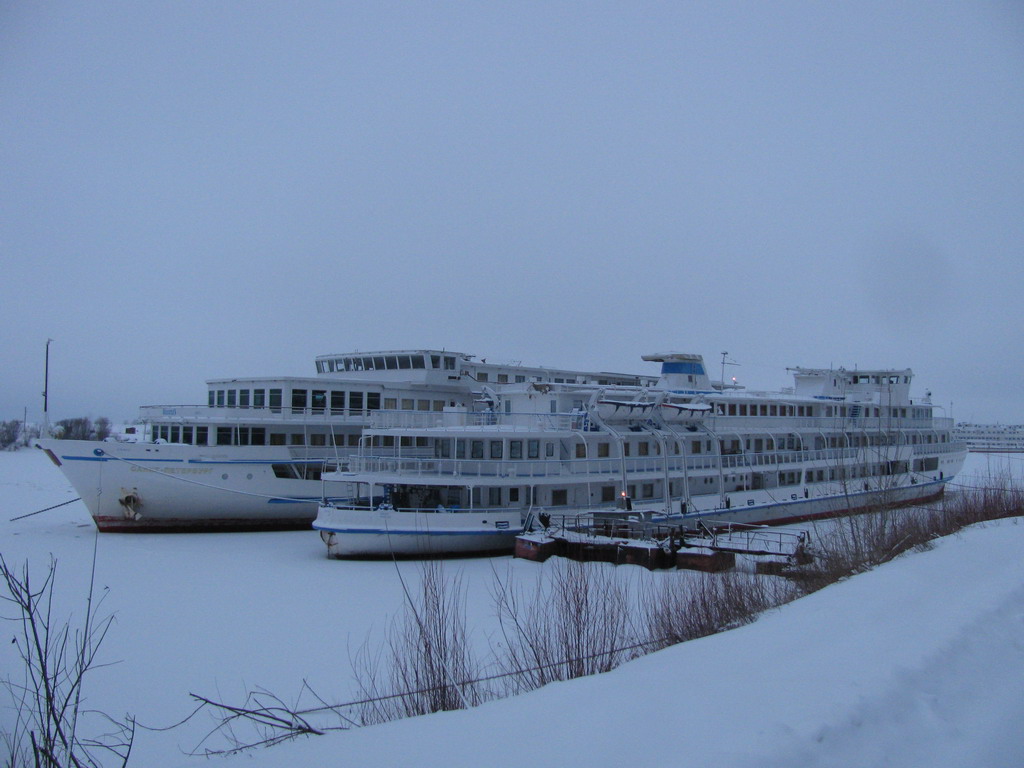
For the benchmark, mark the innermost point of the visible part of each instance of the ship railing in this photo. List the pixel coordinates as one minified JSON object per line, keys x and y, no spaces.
{"x":748,"y":539}
{"x":459,"y":419}
{"x":819,"y":423}
{"x":580,"y":469}
{"x":954,"y":447}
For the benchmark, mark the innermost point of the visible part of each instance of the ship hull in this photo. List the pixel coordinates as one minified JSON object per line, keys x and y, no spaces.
{"x":146,"y":487}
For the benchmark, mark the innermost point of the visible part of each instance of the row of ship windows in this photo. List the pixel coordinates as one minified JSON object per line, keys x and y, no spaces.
{"x":609,"y":493}
{"x":317,"y":400}
{"x":496,"y":449}
{"x":828,"y":411}
{"x":252,"y":436}
{"x":386,"y":363}
{"x":435,"y":362}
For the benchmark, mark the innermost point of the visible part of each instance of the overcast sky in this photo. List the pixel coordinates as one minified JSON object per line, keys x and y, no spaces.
{"x":194,"y":190}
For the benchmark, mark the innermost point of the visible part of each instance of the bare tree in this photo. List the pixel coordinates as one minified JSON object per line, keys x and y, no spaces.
{"x":47,"y":697}
{"x":102,"y":428}
{"x":9,"y":431}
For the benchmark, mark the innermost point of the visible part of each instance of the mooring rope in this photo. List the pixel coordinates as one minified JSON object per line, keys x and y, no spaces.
{"x":22,"y":517}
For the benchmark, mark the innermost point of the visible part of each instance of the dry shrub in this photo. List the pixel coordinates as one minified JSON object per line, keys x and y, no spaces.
{"x":577,"y":622}
{"x":429,"y":665}
{"x":685,"y":606}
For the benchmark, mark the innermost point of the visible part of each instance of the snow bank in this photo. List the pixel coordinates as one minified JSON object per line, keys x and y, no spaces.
{"x":918,"y":662}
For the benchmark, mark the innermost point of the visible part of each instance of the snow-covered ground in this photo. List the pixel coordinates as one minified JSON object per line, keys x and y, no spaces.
{"x":920,"y":662}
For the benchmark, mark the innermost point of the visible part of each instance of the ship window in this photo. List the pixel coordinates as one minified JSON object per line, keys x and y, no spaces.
{"x":647,"y":491}
{"x":449,"y":363}
{"x":581,"y":451}
{"x":515,"y":449}
{"x":496,"y":449}
{"x":319,"y":400}
{"x":355,"y":402}
{"x":223,"y":435}
{"x":373,"y":401}
{"x":481,"y":376}
{"x":186,"y":434}
{"x":520,"y":379}
{"x":559,"y":497}
{"x":231,"y":398}
{"x":503,"y":378}
{"x":404,"y":362}
{"x":608,"y":493}
{"x":460,"y":449}
{"x":298,"y":400}
{"x":435,"y":361}
{"x":644,"y":449}
{"x":743,"y":409}
{"x":408,"y":404}
{"x":220,"y":398}
{"x":513,"y":495}
{"x":210,"y":400}
{"x":379,"y":364}
{"x":549,"y":450}
{"x":276,"y":438}
{"x":390,"y":404}
{"x":259,"y":436}
{"x":275,"y":400}
{"x":201,"y":433}
{"x":418,"y":361}
{"x":297,"y":438}
{"x":533,"y":449}
{"x":602,"y":450}
{"x":494,"y":497}
{"x":243,"y":398}
{"x":318,"y":439}
{"x":391,"y":362}
{"x":175,"y":434}
{"x":439,"y":405}
{"x":476,"y":449}
{"x":422,"y":405}
{"x":337,"y":401}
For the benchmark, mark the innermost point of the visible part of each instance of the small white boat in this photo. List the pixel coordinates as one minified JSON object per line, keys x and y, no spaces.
{"x":383,"y":531}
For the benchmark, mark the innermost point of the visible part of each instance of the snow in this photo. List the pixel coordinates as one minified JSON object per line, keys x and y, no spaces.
{"x":920,"y":661}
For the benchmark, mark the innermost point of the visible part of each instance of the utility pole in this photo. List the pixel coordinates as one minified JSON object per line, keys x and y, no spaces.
{"x":46,"y":390}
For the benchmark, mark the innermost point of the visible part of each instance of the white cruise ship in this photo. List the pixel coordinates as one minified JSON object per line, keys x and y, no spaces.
{"x":470,"y":476}
{"x":991,"y":438}
{"x":251,"y":458}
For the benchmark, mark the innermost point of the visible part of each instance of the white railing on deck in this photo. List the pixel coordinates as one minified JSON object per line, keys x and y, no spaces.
{"x":525,"y":469}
